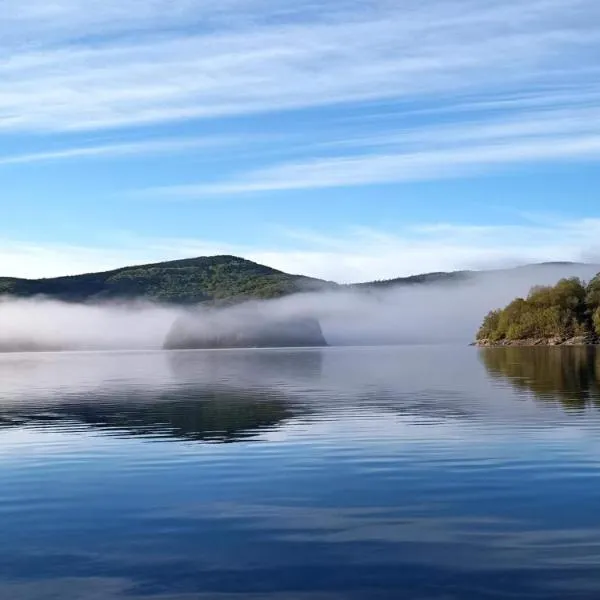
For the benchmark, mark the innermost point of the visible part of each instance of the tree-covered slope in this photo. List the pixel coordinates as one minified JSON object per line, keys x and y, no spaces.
{"x":556,"y":314}
{"x":440,"y":277}
{"x":204,"y":279}
{"x":225,"y":279}
{"x":529,"y":271}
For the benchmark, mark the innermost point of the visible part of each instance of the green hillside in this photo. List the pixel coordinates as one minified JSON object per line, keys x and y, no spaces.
{"x":205,"y":279}
{"x":424,"y":278}
{"x":218,"y":280}
{"x":212,"y":279}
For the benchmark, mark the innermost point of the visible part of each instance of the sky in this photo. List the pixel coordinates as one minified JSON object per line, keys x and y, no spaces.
{"x":344,"y":139}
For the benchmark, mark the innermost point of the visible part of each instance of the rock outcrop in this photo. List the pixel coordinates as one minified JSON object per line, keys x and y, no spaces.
{"x":206,"y":329}
{"x":581,"y":340}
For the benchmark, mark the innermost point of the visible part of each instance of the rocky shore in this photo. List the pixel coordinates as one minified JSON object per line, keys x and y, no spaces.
{"x":553,"y":341}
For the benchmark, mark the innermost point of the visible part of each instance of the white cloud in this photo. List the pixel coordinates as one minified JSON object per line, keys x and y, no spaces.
{"x":429,"y":164}
{"x":40,"y":20}
{"x":195,"y":61}
{"x":34,"y":259}
{"x":421,"y":152}
{"x":146,"y":147}
{"x":356,"y":254}
{"x":75,"y":65}
{"x":364,"y":254}
{"x":511,"y":126}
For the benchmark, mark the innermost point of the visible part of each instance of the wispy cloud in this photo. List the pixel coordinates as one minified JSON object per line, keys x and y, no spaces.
{"x":145,"y":148}
{"x":354,"y":254}
{"x":511,"y":125}
{"x":419,"y":151}
{"x":430,"y":164}
{"x":82,"y":69}
{"x":362,"y":254}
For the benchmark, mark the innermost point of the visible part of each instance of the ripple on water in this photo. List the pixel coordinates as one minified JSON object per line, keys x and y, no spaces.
{"x":317,"y":474}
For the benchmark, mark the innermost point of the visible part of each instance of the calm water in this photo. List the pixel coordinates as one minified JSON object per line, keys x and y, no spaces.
{"x":417,"y":472}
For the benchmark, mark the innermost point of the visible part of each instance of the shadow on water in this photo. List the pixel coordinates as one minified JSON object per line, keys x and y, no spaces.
{"x":570,"y":375}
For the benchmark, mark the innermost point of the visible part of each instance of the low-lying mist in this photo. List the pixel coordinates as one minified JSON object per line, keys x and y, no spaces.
{"x":427,"y":313}
{"x":44,"y":324}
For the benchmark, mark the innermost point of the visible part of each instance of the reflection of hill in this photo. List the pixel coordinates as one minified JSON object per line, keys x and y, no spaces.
{"x":213,"y":395}
{"x":201,"y":415}
{"x":225,"y":395}
{"x":265,"y":367}
{"x":572,"y":375}
{"x":322,"y":381}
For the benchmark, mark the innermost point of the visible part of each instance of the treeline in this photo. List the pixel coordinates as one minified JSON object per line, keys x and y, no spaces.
{"x":567,"y":310}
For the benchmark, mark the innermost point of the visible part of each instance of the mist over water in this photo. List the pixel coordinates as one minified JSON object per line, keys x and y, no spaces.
{"x":430,"y":313}
{"x":51,"y":324}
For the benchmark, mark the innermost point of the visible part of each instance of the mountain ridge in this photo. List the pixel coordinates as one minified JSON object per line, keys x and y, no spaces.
{"x":202,"y":279}
{"x":214,"y":279}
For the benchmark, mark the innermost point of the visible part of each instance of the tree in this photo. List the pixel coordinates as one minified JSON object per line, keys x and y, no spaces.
{"x":565,"y":310}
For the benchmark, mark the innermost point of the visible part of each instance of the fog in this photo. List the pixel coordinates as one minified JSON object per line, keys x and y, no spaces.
{"x":44,"y":324}
{"x":430,"y":313}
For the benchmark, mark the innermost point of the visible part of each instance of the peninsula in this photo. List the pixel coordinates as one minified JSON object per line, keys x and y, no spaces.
{"x":565,"y":314}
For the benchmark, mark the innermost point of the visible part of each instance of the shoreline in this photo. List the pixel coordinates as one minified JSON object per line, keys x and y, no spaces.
{"x":532,"y":342}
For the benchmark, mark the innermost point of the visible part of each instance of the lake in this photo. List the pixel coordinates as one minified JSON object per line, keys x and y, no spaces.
{"x":418,"y":472}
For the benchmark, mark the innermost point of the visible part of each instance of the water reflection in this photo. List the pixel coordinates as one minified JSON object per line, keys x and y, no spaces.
{"x":570,"y":374}
{"x":372,"y":474}
{"x":216,"y":416}
{"x":229,"y":396}
{"x":247,"y":368}
{"x":211,"y":396}
{"x":223,"y":395}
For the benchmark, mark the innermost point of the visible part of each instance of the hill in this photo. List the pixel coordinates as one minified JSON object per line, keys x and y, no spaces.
{"x":211,"y":279}
{"x":424,"y":278}
{"x":231,"y":279}
{"x":214,"y":279}
{"x":565,"y":269}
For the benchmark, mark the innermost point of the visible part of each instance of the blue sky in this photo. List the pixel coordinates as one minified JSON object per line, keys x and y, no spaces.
{"x":342,"y":139}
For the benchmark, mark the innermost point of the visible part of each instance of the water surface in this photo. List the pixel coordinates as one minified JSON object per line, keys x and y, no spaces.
{"x":375,"y":473}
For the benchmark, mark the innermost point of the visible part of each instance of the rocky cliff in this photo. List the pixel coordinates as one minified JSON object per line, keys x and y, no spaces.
{"x":205,"y":329}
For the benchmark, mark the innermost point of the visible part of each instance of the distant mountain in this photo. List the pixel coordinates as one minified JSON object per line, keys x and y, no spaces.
{"x":424,"y":278}
{"x":214,"y":279}
{"x":560,"y":268}
{"x":231,"y":279}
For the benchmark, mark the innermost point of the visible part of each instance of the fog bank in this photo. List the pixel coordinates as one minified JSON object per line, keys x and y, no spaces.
{"x":43,"y":324}
{"x":427,"y":313}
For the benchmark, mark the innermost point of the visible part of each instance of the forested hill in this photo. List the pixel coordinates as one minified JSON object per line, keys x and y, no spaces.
{"x":231,"y":279}
{"x":204,"y":279}
{"x":565,"y":269}
{"x":212,"y":279}
{"x":424,"y":278}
